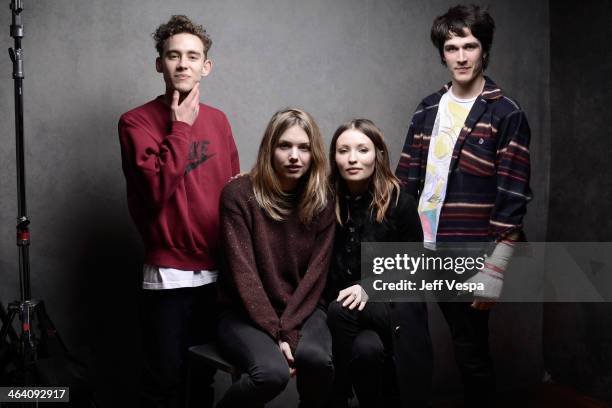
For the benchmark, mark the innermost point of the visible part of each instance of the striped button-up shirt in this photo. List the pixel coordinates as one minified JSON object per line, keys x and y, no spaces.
{"x":488,"y":182}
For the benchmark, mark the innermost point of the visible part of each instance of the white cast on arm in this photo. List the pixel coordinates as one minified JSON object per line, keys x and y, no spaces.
{"x":492,"y":275}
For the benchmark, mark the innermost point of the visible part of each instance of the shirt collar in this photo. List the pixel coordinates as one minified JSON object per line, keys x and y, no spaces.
{"x":490,"y":92}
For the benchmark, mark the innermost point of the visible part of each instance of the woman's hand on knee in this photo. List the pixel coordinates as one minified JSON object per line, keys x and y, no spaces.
{"x":353,"y":296}
{"x":286,"y":350}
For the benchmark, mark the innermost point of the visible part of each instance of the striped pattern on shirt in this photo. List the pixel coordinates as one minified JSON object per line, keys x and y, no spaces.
{"x":488,"y":184}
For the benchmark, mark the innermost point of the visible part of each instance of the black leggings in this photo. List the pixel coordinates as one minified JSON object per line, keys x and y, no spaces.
{"x":361,"y":343}
{"x":267,"y":372}
{"x":364,"y":341}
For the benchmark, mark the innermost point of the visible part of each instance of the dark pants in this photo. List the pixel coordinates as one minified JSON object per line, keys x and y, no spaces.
{"x":267,"y":372}
{"x":364,"y":340}
{"x":413,"y":352}
{"x":172,"y":321}
{"x":470,"y":332}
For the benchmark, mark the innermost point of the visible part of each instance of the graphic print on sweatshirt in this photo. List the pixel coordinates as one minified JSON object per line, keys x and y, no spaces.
{"x":198,"y":154}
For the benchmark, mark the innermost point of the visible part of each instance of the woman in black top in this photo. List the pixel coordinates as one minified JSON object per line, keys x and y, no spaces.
{"x":371,"y":207}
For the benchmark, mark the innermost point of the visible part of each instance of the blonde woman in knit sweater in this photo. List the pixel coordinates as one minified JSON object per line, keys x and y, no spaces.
{"x":277,"y":225}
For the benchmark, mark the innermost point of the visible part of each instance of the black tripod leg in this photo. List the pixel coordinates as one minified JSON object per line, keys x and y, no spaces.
{"x":8,"y":347}
{"x":7,"y":325}
{"x":49,"y":336}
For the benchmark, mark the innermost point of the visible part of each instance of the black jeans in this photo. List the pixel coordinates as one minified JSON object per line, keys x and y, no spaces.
{"x":470,"y":332}
{"x":172,"y":320}
{"x":267,"y":372}
{"x":363,"y":341}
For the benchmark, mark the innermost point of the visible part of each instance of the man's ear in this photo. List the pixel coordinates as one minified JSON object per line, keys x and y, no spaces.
{"x":207,"y":67}
{"x":158,"y":64}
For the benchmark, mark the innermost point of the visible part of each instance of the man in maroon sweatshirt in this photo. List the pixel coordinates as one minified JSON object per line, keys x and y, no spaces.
{"x":177,"y":154}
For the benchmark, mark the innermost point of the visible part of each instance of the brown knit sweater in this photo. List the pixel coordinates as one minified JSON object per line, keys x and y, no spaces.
{"x":275,"y":271}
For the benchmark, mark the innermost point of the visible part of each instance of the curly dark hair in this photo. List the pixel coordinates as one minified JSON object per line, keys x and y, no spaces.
{"x":479,"y":21}
{"x":176,"y":25}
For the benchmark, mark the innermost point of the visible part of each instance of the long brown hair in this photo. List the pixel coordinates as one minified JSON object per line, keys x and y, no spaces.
{"x":383,"y":183}
{"x":267,"y":186}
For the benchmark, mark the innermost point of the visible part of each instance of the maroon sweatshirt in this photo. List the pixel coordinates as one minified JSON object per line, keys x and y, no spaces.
{"x":174,"y":175}
{"x":274,"y":271}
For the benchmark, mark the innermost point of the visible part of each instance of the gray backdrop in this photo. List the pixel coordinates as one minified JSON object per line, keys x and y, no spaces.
{"x":88,"y":62}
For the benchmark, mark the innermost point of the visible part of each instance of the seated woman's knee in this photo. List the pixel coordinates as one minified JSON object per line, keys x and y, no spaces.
{"x":270,"y":379}
{"x":367,"y":349}
{"x":313,"y":358}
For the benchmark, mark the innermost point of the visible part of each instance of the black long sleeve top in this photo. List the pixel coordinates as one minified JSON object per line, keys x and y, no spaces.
{"x":401,"y":224}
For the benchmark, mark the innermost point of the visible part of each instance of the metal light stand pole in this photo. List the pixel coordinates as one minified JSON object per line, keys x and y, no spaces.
{"x":26,"y":306}
{"x":26,"y":347}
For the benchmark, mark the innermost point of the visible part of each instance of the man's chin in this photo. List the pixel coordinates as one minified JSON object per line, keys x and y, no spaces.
{"x":184,"y":88}
{"x":465,"y":80}
{"x":184,"y":91}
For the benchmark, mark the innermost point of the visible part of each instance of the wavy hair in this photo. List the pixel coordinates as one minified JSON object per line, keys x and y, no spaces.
{"x":179,"y":24}
{"x":383,"y":184}
{"x":313,"y":194}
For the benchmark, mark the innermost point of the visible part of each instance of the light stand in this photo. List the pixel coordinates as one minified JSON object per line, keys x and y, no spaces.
{"x":26,"y":347}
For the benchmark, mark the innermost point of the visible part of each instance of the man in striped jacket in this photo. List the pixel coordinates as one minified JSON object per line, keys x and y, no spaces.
{"x":466,"y":161}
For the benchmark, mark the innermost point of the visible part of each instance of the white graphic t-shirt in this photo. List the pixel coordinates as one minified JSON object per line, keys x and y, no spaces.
{"x":452,"y":112}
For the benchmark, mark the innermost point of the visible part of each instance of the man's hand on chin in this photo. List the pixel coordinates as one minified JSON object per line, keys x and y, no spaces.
{"x":186,"y":111}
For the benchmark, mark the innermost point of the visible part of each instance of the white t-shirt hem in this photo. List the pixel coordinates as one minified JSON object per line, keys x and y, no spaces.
{"x":158,"y":278}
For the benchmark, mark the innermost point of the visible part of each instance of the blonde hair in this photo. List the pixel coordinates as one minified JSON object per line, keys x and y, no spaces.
{"x":266,"y":185}
{"x":383,"y":183}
